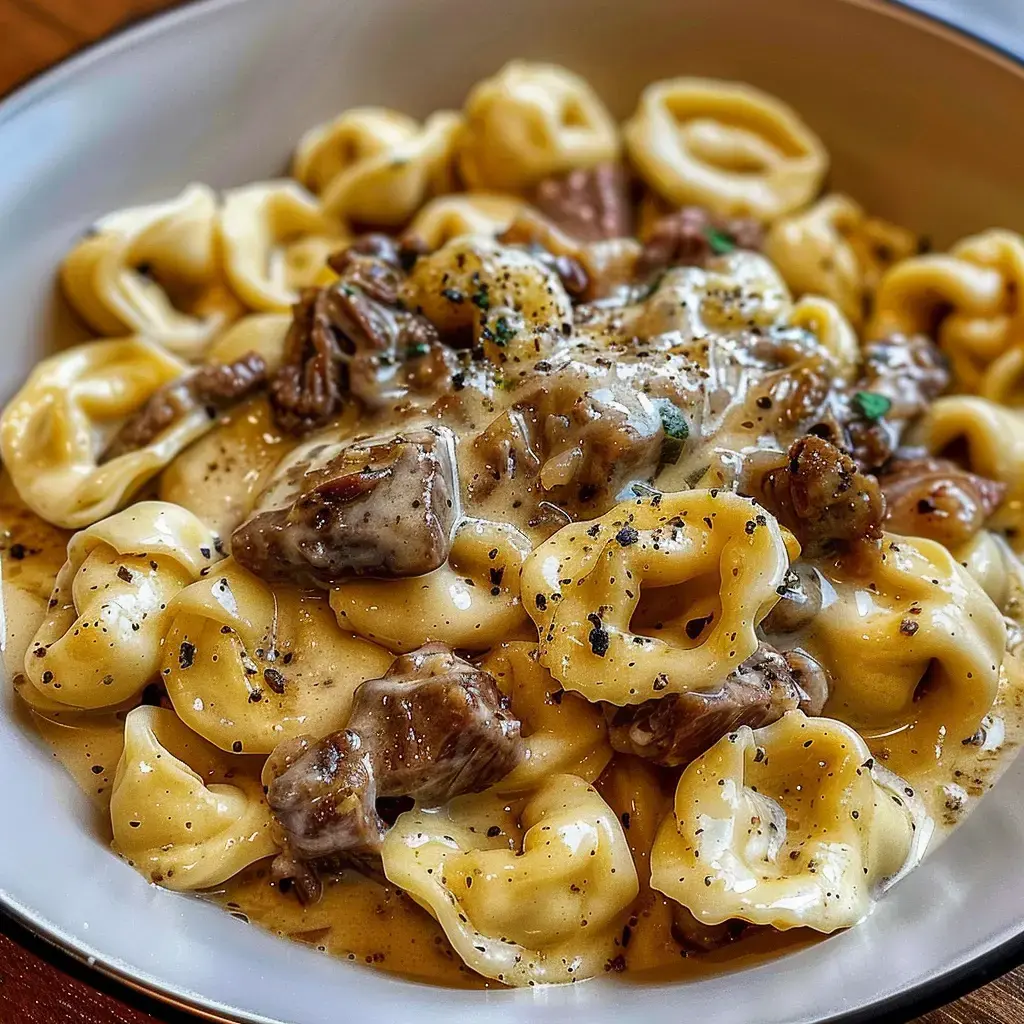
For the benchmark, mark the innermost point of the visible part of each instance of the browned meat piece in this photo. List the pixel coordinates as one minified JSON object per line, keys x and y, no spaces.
{"x":822,"y":497}
{"x":697,"y":937}
{"x":692,"y":235}
{"x":900,"y":376}
{"x":353,"y":338}
{"x":576,"y":437}
{"x":588,"y":204}
{"x":936,"y":498}
{"x":433,"y":727}
{"x":811,"y":678}
{"x":799,"y":601}
{"x":213,"y":387}
{"x":378,"y":507}
{"x":675,"y":729}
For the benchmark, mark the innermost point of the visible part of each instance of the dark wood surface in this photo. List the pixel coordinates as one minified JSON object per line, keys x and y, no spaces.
{"x":39,"y":985}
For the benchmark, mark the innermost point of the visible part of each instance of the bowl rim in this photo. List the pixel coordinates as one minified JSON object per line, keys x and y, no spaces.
{"x":68,"y":952}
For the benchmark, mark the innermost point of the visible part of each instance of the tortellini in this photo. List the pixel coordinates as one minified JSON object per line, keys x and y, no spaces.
{"x":969,"y":299}
{"x":826,"y":321}
{"x":467,"y":213}
{"x":726,"y":146}
{"x":527,"y":898}
{"x":660,"y":595}
{"x":472,"y":601}
{"x":790,"y":825}
{"x":834,"y":249}
{"x":563,"y":733}
{"x":912,"y":646}
{"x":54,"y":431}
{"x":156,"y":271}
{"x":998,"y":571}
{"x":99,"y":644}
{"x":516,"y":307}
{"x":176,"y":817}
{"x":376,"y":166}
{"x":531,"y":121}
{"x":246,"y":666}
{"x":276,"y":242}
{"x":989,"y":440}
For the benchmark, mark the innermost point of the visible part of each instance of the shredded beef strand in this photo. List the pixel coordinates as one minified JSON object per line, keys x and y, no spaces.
{"x":588,"y":204}
{"x":690,"y":237}
{"x":213,"y":387}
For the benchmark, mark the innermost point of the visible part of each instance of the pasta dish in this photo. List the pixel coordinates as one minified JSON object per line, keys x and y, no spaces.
{"x":517,"y":547}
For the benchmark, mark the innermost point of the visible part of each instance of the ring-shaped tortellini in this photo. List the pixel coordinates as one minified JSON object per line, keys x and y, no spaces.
{"x":156,"y":271}
{"x":988,"y":440}
{"x":54,"y":431}
{"x":376,"y":166}
{"x":826,"y":321}
{"x":991,"y":562}
{"x":470,"y":602}
{"x":99,"y":644}
{"x":726,"y":146}
{"x":246,"y":666}
{"x":525,"y":899}
{"x":516,"y":307}
{"x":276,"y":242}
{"x":912,"y":646}
{"x":530,"y":121}
{"x":746,"y":841}
{"x":466,"y":213}
{"x":177,"y":819}
{"x":660,"y":595}
{"x":834,"y":249}
{"x":562,"y":733}
{"x":969,"y":299}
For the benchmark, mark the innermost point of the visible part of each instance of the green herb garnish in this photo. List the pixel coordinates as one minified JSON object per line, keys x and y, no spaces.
{"x":503,"y":332}
{"x":481,"y":300}
{"x":721,"y":242}
{"x":677,"y":430}
{"x":872,"y":406}
{"x":421,"y":348}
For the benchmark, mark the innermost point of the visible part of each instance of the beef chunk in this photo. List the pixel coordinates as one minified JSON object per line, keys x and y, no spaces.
{"x":675,"y":729}
{"x":692,"y":235}
{"x":433,"y":727}
{"x":353,"y":338}
{"x":379,"y":507}
{"x":589,"y":204}
{"x":822,"y":497}
{"x":936,"y":498}
{"x":811,"y":678}
{"x":900,"y":376}
{"x":576,"y":436}
{"x":212,"y":387}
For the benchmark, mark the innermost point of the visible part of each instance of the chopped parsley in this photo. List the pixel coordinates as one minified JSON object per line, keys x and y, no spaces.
{"x":420,"y":348}
{"x":872,"y":406}
{"x":481,"y":300}
{"x":503,"y":332}
{"x":721,"y":242}
{"x":677,"y":430}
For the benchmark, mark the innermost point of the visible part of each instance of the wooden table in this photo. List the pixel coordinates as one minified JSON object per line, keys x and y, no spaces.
{"x":39,"y":985}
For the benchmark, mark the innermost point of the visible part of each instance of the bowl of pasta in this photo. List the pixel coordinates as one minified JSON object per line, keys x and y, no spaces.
{"x":500,"y":524}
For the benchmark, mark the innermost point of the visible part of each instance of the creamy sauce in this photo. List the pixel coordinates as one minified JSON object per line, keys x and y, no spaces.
{"x":368,"y":921}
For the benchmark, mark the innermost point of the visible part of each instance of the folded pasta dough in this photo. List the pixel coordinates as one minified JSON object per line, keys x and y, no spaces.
{"x":912,"y":646}
{"x":968,"y":298}
{"x":660,"y":595}
{"x":376,"y":166}
{"x":528,"y":898}
{"x":746,"y":841}
{"x":724,"y":145}
{"x":530,"y":121}
{"x":155,"y":271}
{"x":54,"y":430}
{"x":176,"y":818}
{"x":465,"y":213}
{"x":472,"y":601}
{"x":246,"y":666}
{"x":100,"y":642}
{"x":276,"y":242}
{"x":562,"y":733}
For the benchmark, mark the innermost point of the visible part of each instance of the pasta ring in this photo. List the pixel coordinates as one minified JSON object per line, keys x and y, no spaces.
{"x":699,"y":567}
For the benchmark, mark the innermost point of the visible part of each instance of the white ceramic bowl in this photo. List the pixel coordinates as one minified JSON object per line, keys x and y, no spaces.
{"x":923,"y":127}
